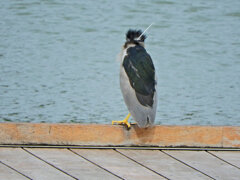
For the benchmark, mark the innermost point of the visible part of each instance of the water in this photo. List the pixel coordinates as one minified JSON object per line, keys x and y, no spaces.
{"x":58,"y":60}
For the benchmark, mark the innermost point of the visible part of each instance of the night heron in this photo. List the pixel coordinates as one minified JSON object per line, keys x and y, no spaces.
{"x":138,"y":81}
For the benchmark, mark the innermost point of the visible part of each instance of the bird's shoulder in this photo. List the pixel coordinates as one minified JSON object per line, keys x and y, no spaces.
{"x":139,"y":67}
{"x":138,"y":62}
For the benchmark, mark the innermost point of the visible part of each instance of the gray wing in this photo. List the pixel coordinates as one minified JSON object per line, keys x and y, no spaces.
{"x":140,"y":70}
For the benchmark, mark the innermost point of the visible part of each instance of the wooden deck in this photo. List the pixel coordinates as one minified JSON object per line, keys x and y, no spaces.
{"x":91,"y":151}
{"x":28,"y":162}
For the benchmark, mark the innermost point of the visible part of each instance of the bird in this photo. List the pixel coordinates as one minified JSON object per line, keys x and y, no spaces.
{"x":137,"y":81}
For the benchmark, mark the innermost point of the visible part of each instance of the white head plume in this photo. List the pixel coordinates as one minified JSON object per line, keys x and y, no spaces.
{"x":144,"y":32}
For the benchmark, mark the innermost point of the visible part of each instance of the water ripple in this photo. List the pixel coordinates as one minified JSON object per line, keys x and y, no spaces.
{"x":58,"y":60}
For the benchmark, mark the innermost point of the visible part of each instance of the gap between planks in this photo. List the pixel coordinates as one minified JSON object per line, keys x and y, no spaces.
{"x":120,"y":147}
{"x":223,"y":160}
{"x":49,"y":163}
{"x":14,"y":170}
{"x":186,"y":164}
{"x":94,"y":163}
{"x":141,"y":164}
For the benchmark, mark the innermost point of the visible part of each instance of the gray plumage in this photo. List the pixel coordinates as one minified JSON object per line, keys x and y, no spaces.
{"x":137,"y":80}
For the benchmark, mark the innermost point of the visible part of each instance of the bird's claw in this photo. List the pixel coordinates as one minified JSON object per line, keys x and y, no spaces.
{"x":123,"y":122}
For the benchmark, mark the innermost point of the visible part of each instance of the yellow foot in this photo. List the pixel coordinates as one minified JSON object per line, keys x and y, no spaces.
{"x":125,"y":121}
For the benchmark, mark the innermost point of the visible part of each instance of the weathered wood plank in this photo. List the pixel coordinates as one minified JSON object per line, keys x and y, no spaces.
{"x":207,"y":163}
{"x":118,"y":164}
{"x":7,"y":173}
{"x":29,"y":165}
{"x":71,"y":163}
{"x":96,"y":134}
{"x":163,"y":164}
{"x":231,"y":136}
{"x":232,"y":157}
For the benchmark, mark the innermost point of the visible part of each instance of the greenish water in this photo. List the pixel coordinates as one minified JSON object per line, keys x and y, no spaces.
{"x":58,"y":59}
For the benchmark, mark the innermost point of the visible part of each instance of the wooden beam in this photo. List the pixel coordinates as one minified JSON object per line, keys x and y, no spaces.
{"x":116,"y":135}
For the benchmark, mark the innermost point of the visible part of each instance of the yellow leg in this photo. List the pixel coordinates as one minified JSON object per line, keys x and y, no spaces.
{"x":125,"y":121}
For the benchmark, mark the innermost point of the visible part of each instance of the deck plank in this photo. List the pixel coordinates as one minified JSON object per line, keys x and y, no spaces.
{"x":207,"y":163}
{"x":29,"y":165}
{"x":163,"y":164}
{"x":118,"y":164}
{"x":232,"y":157}
{"x":7,"y":173}
{"x":71,"y":163}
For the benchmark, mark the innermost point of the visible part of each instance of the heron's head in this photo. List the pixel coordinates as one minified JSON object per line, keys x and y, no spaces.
{"x":134,"y":37}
